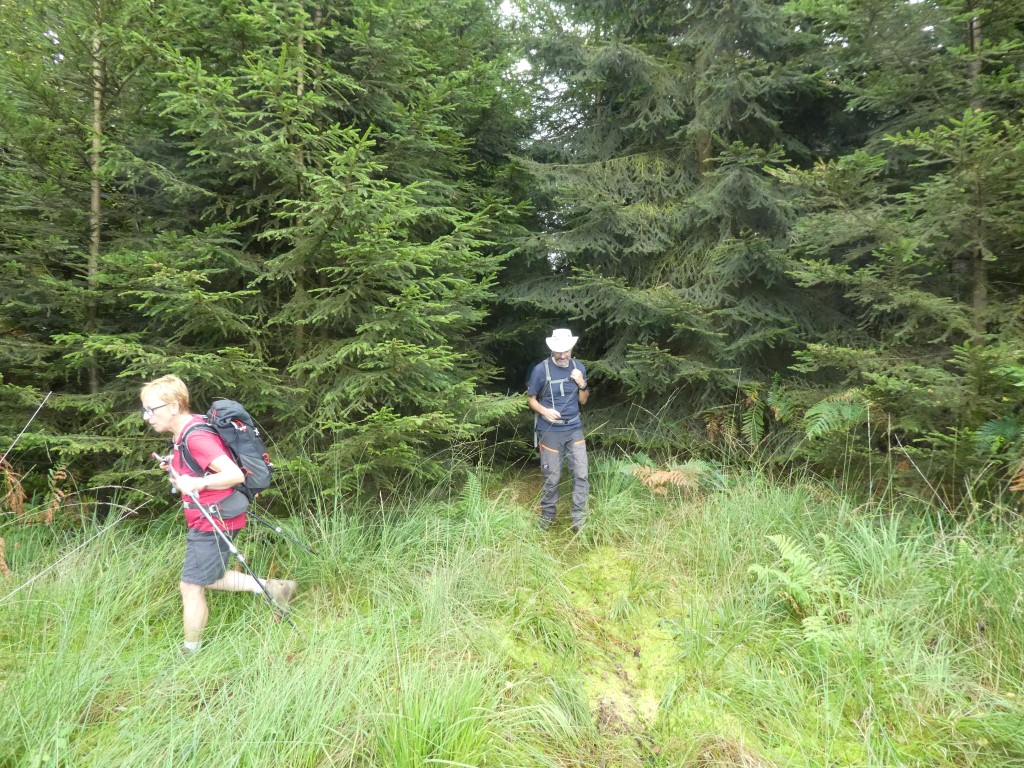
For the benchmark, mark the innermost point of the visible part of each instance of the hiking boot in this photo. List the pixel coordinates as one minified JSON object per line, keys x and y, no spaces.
{"x":282,"y":591}
{"x":577,"y":527}
{"x":544,"y":524}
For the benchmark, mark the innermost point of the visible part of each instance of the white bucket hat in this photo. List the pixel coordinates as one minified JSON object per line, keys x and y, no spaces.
{"x":561,"y":340}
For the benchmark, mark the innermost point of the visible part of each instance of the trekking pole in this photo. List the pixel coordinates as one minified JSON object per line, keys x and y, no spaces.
{"x":278,"y":529}
{"x":232,"y":548}
{"x":27,"y":424}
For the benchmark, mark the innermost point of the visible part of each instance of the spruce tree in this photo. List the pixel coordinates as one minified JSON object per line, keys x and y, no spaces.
{"x":917,"y":242}
{"x":662,"y":235}
{"x":356,"y":148}
{"x":76,"y":204}
{"x":299,"y":208}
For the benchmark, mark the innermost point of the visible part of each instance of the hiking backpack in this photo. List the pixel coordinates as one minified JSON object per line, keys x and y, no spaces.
{"x":232,"y":423}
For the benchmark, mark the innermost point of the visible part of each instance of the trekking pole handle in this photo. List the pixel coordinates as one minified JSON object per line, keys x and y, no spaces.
{"x":166,"y":461}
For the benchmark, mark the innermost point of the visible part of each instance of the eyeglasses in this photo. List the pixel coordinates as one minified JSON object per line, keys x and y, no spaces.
{"x":147,"y":412}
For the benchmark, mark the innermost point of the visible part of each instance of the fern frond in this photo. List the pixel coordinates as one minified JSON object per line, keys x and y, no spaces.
{"x":472,"y":494}
{"x":836,"y":413}
{"x":805,"y":584}
{"x":791,"y":592}
{"x":995,"y":434}
{"x":782,"y":406}
{"x":753,"y":422}
{"x":820,"y":630}
{"x":793,"y":554}
{"x":834,"y":563}
{"x":1017,"y":483}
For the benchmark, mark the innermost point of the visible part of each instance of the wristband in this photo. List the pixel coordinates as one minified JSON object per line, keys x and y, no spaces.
{"x":585,"y":389}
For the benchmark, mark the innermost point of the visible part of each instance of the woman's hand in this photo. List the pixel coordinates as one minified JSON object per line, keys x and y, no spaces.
{"x":188,"y":485}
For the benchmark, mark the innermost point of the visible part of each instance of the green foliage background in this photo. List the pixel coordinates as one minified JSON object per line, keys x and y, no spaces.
{"x":790,"y":230}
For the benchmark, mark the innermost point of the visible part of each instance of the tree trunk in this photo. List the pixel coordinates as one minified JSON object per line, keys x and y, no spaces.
{"x":704,"y":151}
{"x":299,"y":331}
{"x":979,"y":267}
{"x":95,"y":206}
{"x":974,"y":66}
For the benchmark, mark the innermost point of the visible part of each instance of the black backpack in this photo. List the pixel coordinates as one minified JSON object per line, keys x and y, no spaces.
{"x":233,"y":424}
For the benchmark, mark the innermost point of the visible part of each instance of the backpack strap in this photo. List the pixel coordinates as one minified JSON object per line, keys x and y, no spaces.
{"x":540,"y":396}
{"x":182,"y":447}
{"x":547,"y":376}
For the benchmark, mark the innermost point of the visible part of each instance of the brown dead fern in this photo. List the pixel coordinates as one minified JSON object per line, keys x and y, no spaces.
{"x":713,"y":428}
{"x":59,"y":478}
{"x":14,"y":497}
{"x":5,"y":569}
{"x":659,"y":480}
{"x":1017,"y":482}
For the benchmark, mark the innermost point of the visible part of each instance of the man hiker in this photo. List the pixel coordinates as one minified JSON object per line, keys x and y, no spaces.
{"x":557,"y":389}
{"x":165,"y":407}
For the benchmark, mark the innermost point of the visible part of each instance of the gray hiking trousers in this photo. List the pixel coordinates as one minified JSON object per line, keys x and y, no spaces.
{"x":571,"y":447}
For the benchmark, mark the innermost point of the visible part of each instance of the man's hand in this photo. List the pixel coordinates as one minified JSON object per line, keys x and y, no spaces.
{"x":577,"y":376}
{"x":548,"y":414}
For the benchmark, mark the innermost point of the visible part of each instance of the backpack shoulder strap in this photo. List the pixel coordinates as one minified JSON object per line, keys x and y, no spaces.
{"x":547,"y":376}
{"x":540,"y":396}
{"x":182,"y":447}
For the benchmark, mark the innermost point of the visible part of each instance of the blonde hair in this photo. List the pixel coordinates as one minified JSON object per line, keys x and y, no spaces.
{"x":170,"y":389}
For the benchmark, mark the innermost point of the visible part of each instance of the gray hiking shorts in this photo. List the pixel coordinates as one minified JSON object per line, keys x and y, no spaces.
{"x":206,"y":557}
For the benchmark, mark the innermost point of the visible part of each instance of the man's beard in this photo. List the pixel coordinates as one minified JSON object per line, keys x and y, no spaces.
{"x":561,"y":363}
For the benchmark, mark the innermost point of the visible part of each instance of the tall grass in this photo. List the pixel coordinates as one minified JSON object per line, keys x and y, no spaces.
{"x":733,"y":622}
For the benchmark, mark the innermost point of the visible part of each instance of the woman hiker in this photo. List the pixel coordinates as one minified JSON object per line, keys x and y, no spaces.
{"x":165,"y":407}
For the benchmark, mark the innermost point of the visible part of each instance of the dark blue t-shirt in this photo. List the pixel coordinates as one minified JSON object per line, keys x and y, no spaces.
{"x":563,"y":395}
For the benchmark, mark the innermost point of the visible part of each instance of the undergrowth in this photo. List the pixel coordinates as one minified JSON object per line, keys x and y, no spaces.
{"x":706,"y":620}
